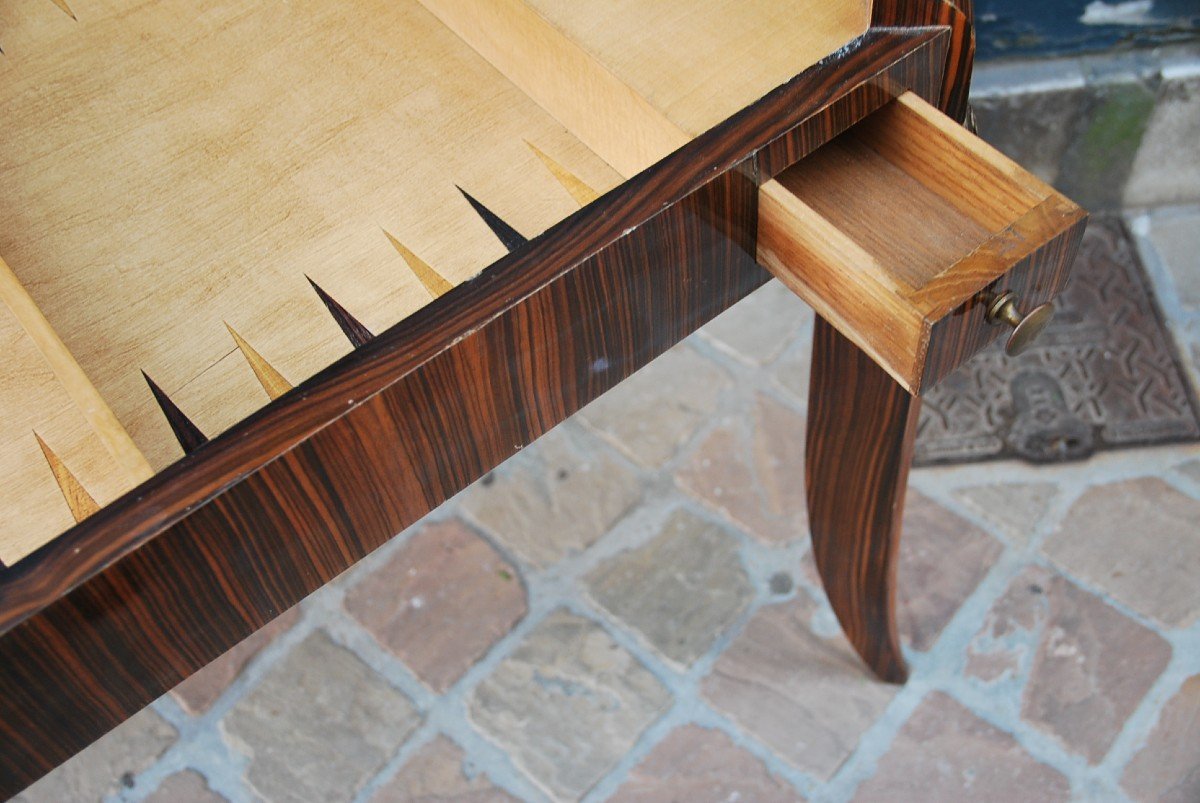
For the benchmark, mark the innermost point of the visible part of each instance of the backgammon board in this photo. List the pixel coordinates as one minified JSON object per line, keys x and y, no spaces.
{"x":279,"y":278}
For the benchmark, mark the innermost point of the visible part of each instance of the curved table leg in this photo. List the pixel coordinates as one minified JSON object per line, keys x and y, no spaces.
{"x":861,"y":426}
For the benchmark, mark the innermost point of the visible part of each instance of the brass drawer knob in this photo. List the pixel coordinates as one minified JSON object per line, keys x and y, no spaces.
{"x":1026,"y":328}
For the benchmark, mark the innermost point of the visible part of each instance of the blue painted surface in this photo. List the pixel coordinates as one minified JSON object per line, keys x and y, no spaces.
{"x":1058,"y":27}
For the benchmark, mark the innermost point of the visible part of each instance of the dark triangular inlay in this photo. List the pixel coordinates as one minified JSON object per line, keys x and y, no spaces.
{"x":510,"y":237}
{"x":355,"y":332}
{"x":188,"y":434}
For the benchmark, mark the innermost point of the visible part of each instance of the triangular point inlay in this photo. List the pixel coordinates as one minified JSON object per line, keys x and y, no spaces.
{"x":355,"y":332}
{"x":78,"y":499}
{"x":581,"y":192}
{"x":66,"y":8}
{"x":508,"y":236}
{"x":271,"y":380}
{"x":433,"y":281}
{"x":188,"y":434}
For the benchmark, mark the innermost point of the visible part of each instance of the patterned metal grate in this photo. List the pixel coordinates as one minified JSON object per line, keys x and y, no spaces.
{"x":1104,"y":375}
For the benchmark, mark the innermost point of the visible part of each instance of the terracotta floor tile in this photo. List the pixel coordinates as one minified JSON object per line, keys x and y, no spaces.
{"x":698,"y":765}
{"x":943,"y":558}
{"x":441,"y":602}
{"x":1167,"y":768}
{"x":807,"y":697}
{"x":1138,"y":540}
{"x":438,"y":773}
{"x":567,"y":704}
{"x":946,"y":754}
{"x":1084,"y":665}
{"x":752,"y":472}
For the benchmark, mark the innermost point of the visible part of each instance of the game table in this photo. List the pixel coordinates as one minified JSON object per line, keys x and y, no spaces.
{"x":279,"y":279}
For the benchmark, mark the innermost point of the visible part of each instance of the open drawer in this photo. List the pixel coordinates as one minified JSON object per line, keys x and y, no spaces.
{"x":906,"y":230}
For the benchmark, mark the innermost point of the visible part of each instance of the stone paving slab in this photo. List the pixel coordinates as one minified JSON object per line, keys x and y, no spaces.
{"x":439,"y":774}
{"x":198,"y":693}
{"x":1161,"y":172}
{"x":109,"y":764}
{"x":319,"y":725}
{"x":1139,"y":540}
{"x":441,"y":601}
{"x":1085,"y":665}
{"x":747,"y":470}
{"x":757,"y":333}
{"x":1115,"y":130}
{"x":1168,"y":767}
{"x":567,"y":704}
{"x":805,"y":695}
{"x":680,"y":591}
{"x":942,"y":561}
{"x":700,"y":765}
{"x":1175,"y":236}
{"x":653,"y":413}
{"x":555,"y":500}
{"x":1015,"y":509}
{"x":187,"y":786}
{"x":946,"y":754}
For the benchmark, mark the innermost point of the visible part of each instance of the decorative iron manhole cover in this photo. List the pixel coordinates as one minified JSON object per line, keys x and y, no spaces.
{"x":1105,"y":374}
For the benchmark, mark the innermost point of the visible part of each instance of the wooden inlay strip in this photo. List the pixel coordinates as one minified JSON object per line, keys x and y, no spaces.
{"x":78,"y":387}
{"x":581,"y":192}
{"x":188,"y":434}
{"x":624,"y":76}
{"x":78,"y":499}
{"x":508,"y":236}
{"x":271,"y":380}
{"x":355,"y":332}
{"x":575,"y":86}
{"x":433,"y":281}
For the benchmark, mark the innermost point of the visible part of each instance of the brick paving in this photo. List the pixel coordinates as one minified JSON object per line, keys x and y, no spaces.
{"x":630,"y":613}
{"x":702,"y":765}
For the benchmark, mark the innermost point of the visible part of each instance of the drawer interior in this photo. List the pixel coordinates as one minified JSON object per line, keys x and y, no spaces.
{"x":202,"y":200}
{"x":898,"y":223}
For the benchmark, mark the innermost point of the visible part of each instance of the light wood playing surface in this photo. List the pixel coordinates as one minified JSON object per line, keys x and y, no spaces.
{"x":175,"y":173}
{"x":636,"y":80}
{"x":701,"y":63}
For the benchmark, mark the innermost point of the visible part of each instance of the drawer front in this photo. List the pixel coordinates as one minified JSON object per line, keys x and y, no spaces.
{"x":904,"y":230}
{"x":1034,"y":279}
